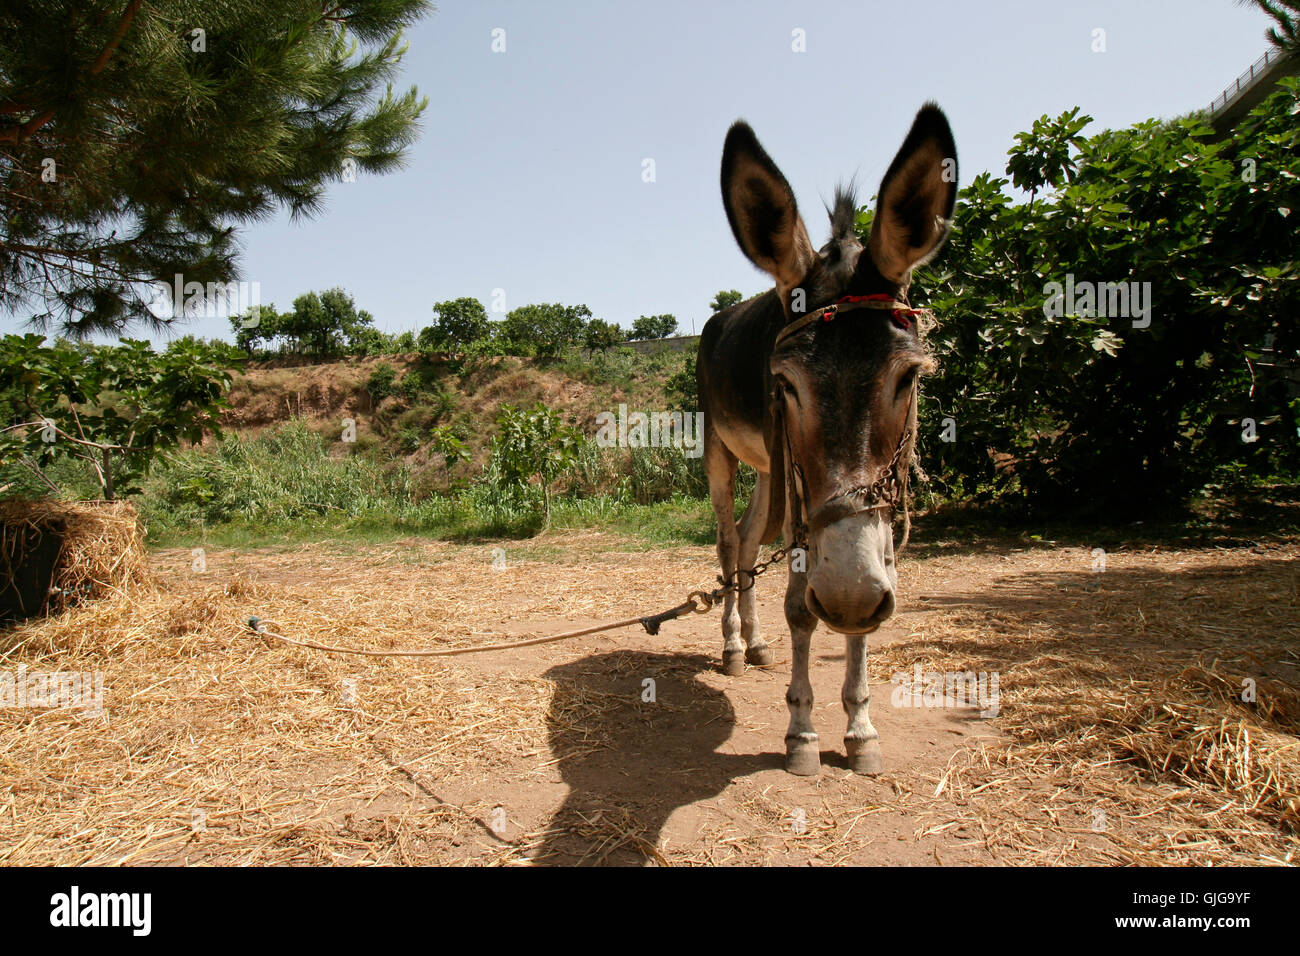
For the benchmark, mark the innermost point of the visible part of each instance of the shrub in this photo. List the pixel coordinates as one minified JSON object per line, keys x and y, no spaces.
{"x":532,"y":444}
{"x":382,"y":382}
{"x":1080,"y":407}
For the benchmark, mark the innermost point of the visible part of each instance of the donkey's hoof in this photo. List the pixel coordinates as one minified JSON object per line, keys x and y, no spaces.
{"x":864,"y":756}
{"x":733,"y":663}
{"x":802,"y":757}
{"x":759,"y":656}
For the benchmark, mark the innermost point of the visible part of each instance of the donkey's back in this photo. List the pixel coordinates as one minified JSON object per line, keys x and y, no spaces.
{"x":732,"y":362}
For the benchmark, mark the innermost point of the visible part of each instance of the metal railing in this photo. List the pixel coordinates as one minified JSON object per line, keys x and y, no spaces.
{"x":1246,"y":80}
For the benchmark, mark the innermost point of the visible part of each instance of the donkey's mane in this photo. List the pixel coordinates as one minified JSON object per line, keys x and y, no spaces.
{"x":843,"y":210}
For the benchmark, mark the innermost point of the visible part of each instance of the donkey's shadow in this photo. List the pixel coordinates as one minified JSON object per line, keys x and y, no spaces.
{"x":636,"y":735}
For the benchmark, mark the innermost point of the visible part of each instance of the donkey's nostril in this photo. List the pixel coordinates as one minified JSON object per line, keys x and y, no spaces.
{"x":856,"y":621}
{"x":885,"y":608}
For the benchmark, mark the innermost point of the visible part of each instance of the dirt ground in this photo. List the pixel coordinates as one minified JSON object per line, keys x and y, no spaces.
{"x":1114,"y":739}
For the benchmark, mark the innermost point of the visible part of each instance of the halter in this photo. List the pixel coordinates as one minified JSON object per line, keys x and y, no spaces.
{"x":889,"y":490}
{"x":900,"y":312}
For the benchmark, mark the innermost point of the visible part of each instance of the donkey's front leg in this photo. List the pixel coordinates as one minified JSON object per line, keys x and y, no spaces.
{"x":861,"y":741}
{"x":802,"y":755}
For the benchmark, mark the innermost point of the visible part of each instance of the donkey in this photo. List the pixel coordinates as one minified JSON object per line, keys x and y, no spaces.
{"x":813,"y":383}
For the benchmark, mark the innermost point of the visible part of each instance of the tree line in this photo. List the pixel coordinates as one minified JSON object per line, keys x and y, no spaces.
{"x":329,"y":324}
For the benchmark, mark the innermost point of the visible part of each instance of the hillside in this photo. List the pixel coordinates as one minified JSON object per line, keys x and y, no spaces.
{"x":429,"y":392}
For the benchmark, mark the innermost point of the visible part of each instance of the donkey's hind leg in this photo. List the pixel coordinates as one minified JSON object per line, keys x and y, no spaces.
{"x":720,"y":466}
{"x":752,"y":525}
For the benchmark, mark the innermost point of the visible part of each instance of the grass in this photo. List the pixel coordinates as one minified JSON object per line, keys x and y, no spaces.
{"x":679,"y":521}
{"x":290,"y":485}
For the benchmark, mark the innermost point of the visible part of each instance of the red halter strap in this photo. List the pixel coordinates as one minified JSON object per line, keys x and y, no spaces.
{"x":901,"y":314}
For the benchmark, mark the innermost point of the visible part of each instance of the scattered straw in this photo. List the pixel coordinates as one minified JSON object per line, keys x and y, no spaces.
{"x":1153,"y":705}
{"x":1122,"y":736}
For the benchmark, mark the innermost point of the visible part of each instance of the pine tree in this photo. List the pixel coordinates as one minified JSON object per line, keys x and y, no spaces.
{"x":135,"y":138}
{"x":1286,"y":15}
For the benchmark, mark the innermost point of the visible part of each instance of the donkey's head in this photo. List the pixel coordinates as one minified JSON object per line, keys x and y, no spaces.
{"x":843,"y":390}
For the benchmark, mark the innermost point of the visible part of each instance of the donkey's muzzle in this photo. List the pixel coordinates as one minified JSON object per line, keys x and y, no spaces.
{"x":851,"y":577}
{"x":853,"y":622}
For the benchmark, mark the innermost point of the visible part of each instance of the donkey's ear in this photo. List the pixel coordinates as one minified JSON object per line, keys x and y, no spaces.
{"x":917,"y":195}
{"x":761,"y":209}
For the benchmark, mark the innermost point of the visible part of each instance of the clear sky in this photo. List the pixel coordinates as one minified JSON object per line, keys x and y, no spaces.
{"x":528,"y":174}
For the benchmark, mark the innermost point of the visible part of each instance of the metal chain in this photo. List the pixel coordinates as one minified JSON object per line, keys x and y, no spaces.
{"x":887,"y":488}
{"x":704,"y":601}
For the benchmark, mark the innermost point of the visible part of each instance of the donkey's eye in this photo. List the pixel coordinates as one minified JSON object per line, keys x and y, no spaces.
{"x":906,"y":382}
{"x":784,"y":389}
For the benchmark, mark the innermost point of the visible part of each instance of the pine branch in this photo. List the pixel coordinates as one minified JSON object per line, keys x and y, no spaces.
{"x":123,"y":25}
{"x":131,"y":134}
